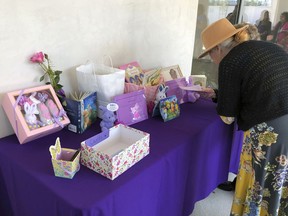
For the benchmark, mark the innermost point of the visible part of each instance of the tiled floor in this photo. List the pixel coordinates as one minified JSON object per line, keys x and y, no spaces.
{"x":218,"y":203}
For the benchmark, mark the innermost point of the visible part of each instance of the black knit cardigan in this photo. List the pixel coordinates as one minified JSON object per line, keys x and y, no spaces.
{"x":253,"y":83}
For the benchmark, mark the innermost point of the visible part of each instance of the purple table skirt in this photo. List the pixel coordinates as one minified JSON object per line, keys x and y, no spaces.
{"x":189,"y":157}
{"x":236,"y":149}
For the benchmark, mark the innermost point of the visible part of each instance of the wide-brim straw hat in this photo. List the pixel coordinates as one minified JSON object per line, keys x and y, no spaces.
{"x":216,"y":33}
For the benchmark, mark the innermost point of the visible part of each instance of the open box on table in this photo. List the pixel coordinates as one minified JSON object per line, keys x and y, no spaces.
{"x":24,"y":119}
{"x":65,"y":161}
{"x":112,"y":152}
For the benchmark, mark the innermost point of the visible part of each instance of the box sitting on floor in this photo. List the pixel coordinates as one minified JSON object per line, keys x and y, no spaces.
{"x":112,"y":152}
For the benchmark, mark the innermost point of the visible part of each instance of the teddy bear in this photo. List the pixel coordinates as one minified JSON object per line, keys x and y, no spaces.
{"x":108,"y":118}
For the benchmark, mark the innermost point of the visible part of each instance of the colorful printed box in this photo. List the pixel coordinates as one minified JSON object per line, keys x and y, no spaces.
{"x":65,"y":161}
{"x":34,"y":112}
{"x":112,"y":152}
{"x":132,"y":107}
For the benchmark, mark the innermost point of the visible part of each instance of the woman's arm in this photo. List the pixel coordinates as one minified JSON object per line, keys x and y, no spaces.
{"x":227,"y":120}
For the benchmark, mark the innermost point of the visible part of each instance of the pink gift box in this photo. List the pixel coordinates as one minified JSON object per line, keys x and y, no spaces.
{"x":14,"y":105}
{"x":112,"y":152}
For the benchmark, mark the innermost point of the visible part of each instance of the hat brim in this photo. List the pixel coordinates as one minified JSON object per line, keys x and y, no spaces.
{"x":221,"y":40}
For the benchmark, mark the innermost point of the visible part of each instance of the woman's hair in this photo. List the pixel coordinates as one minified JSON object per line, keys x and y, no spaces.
{"x":252,"y":30}
{"x":262,"y":16}
{"x":285,"y":14}
{"x":268,"y":16}
{"x":238,"y":38}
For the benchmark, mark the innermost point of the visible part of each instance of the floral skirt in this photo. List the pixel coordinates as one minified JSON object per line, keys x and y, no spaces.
{"x":262,"y":180}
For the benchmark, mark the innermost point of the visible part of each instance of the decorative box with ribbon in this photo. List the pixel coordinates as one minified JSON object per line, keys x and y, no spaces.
{"x":34,"y":112}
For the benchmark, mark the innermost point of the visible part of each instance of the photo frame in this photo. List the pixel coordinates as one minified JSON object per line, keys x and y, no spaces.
{"x":199,"y":80}
{"x":171,"y":73}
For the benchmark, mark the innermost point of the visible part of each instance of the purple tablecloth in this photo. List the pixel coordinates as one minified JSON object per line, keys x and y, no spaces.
{"x":236,"y":149}
{"x":189,"y":157}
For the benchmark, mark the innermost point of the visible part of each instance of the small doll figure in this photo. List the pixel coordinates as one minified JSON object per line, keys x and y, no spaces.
{"x":30,"y":113}
{"x":161,"y":93}
{"x":108,"y":118}
{"x":135,"y":112}
{"x":44,"y":114}
{"x":52,"y":107}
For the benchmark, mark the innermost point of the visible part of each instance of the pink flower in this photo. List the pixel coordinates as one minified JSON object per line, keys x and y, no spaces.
{"x":43,"y":60}
{"x":37,"y":58}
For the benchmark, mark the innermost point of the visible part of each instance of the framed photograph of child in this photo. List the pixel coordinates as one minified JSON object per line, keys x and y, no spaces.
{"x":171,"y":73}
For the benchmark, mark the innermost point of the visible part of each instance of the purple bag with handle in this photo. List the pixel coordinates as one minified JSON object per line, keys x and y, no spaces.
{"x":175,"y":90}
{"x":132,"y":107}
{"x":182,"y":95}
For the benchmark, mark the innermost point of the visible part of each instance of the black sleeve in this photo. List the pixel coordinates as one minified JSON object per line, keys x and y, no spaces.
{"x":216,"y":96}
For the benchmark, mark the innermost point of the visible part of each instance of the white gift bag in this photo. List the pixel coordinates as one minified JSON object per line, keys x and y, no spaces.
{"x":106,"y":81}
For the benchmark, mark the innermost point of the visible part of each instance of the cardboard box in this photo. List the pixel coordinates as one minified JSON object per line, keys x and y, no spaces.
{"x":112,"y":152}
{"x":21,"y":116}
{"x":65,"y":161}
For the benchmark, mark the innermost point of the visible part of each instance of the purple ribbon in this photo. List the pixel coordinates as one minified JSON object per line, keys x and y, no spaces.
{"x":191,"y":96}
{"x":14,"y":108}
{"x":56,"y":118}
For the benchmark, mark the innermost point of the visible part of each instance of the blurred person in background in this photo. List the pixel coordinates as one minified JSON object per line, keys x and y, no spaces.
{"x":280,"y":32}
{"x":264,"y":25}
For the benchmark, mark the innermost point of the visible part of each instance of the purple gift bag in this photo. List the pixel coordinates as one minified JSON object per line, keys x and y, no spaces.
{"x":175,"y":90}
{"x":132,"y":107}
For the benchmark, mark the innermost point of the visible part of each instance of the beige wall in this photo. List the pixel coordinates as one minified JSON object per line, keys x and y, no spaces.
{"x":153,"y":32}
{"x":282,"y":5}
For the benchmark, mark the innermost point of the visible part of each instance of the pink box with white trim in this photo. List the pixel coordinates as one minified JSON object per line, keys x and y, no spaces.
{"x":34,"y":112}
{"x":112,"y":152}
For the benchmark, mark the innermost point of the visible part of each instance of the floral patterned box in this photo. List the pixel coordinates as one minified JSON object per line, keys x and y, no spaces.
{"x":112,"y":152}
{"x":34,"y":112}
{"x":65,"y":161}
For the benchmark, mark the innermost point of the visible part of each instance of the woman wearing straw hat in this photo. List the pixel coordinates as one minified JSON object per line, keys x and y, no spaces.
{"x":253,"y":88}
{"x":230,"y":185}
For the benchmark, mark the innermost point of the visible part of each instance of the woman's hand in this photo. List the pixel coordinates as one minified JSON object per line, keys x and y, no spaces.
{"x":207,"y":93}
